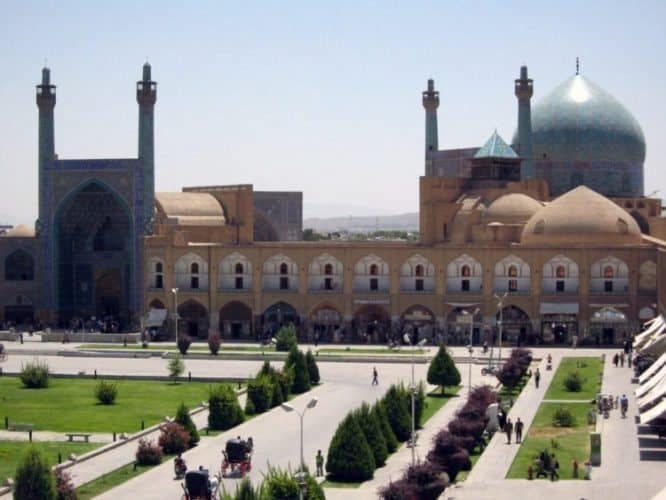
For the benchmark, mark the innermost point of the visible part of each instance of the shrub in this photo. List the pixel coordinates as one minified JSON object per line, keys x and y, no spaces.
{"x":427,"y":481}
{"x":174,"y":438}
{"x":214,"y":342}
{"x":64,"y":487}
{"x":510,"y":373}
{"x":379,"y":414}
{"x":297,"y":365}
{"x":523,"y":356}
{"x":280,"y":484}
{"x":224,"y":410}
{"x":373,"y":433}
{"x":484,"y":395}
{"x":397,"y":490}
{"x":33,"y":479}
{"x":183,"y":418}
{"x":469,"y":432}
{"x":562,"y":417}
{"x":442,"y":370}
{"x":176,"y":367}
{"x":313,"y":369}
{"x":184,"y":342}
{"x":276,"y":396}
{"x":286,"y":339}
{"x":260,"y":392}
{"x":397,"y":415}
{"x":448,"y":455}
{"x":148,"y":453}
{"x":349,"y":455}
{"x":106,"y":392}
{"x":35,"y":375}
{"x":573,"y":382}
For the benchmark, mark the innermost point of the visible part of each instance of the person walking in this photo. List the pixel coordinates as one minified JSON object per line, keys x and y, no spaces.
{"x":519,"y":430}
{"x":616,"y":359}
{"x":508,"y":428}
{"x":630,"y":359}
{"x":537,"y":377}
{"x":622,"y":359}
{"x":554,"y":468}
{"x":574,"y":341}
{"x":320,"y":463}
{"x":375,"y":379}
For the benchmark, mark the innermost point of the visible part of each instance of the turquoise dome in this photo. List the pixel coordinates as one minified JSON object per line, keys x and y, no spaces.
{"x":579,"y":121}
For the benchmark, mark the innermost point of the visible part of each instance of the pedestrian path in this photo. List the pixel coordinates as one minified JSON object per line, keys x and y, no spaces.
{"x":52,"y":436}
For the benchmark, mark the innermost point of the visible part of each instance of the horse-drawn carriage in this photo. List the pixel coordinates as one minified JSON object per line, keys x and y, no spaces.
{"x":237,"y":457}
{"x":198,"y":485}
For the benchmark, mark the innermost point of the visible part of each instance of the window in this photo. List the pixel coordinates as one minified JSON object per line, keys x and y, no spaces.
{"x":419,"y":270}
{"x":284,"y":282}
{"x":159,"y":268}
{"x":560,"y":272}
{"x":513,"y":271}
{"x":194,"y":268}
{"x":418,"y":285}
{"x":608,"y":272}
{"x":608,"y":286}
{"x":239,"y":268}
{"x":513,"y":285}
{"x":328,"y":284}
{"x":559,"y":286}
{"x":465,"y":271}
{"x":374,"y":270}
{"x":374,"y":284}
{"x":239,"y":283}
{"x":328,"y":269}
{"x":284,"y":268}
{"x":444,"y":230}
{"x":19,"y":267}
{"x":194,"y":282}
{"x":159,"y":281}
{"x":464,"y":285}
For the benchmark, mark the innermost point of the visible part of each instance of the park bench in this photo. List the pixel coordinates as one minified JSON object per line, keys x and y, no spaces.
{"x":72,"y":435}
{"x":20,"y":426}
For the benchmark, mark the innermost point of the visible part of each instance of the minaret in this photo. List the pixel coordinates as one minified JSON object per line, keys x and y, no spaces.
{"x":524,"y":90}
{"x":46,"y":101}
{"x":146,"y":95}
{"x":431,"y":103}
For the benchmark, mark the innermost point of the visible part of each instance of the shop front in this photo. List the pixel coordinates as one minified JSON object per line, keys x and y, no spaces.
{"x":559,"y":322}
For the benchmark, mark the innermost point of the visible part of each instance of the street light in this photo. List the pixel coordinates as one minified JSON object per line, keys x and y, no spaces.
{"x":469,"y":346}
{"x":412,"y":439}
{"x":288,"y":408}
{"x":500,"y":306}
{"x":175,"y":312}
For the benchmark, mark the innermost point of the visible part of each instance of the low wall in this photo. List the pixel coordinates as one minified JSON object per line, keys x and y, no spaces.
{"x":114,"y":338}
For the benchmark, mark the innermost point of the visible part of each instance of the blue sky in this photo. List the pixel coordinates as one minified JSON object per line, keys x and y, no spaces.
{"x":321,"y":97}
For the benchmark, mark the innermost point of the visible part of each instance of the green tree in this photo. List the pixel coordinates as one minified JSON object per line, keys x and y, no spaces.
{"x":349,"y":455}
{"x":224,"y":410}
{"x":313,"y":369}
{"x":183,"y":418}
{"x":389,"y":436}
{"x":369,"y":424}
{"x":286,"y":338}
{"x":33,"y":478}
{"x":443,"y":371}
{"x":260,"y":393}
{"x":297,"y":365}
{"x":397,"y":414}
{"x":176,"y":367}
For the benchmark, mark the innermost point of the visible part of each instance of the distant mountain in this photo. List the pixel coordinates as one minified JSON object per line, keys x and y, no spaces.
{"x":402,"y":222}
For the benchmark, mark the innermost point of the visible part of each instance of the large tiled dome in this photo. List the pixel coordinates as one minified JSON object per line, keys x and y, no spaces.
{"x":579,"y":121}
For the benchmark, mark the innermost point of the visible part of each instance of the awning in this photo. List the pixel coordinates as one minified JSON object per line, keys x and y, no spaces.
{"x":155,"y":317}
{"x":558,"y":308}
{"x":658,"y":392}
{"x":645,"y":335}
{"x":462,"y":304}
{"x":643,"y":389}
{"x":653,"y":369}
{"x":654,"y":413}
{"x":608,"y":315}
{"x":656,"y":345}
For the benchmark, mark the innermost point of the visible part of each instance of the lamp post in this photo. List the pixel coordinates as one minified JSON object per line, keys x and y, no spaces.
{"x":412,"y":439}
{"x":288,"y":408}
{"x":470,"y":348}
{"x":500,"y":306}
{"x":175,"y":313}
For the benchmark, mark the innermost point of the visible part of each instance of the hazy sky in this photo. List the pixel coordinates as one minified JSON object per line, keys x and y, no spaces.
{"x":319,"y":97}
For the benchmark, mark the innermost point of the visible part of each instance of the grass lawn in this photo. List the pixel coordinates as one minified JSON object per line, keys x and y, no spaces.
{"x":112,"y":479}
{"x":171,"y":347}
{"x":12,"y":451}
{"x":338,"y":484}
{"x":70,"y":405}
{"x":352,"y":350}
{"x":572,"y":442}
{"x":590,"y":369}
{"x":436,"y":400}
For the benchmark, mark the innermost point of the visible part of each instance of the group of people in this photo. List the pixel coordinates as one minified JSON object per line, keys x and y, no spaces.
{"x":607,"y":403}
{"x":508,"y":427}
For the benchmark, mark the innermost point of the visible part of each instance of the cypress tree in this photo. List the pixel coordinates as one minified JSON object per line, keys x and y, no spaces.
{"x":313,"y":369}
{"x":33,"y":477}
{"x":389,"y":437}
{"x":373,"y":433}
{"x":297,"y":363}
{"x":443,"y":371}
{"x":349,"y":455}
{"x":184,"y":419}
{"x":397,"y":415}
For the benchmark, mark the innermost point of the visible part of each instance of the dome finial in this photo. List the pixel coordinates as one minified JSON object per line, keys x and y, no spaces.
{"x":577,"y":66}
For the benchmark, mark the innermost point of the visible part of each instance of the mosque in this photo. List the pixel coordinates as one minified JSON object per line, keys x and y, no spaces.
{"x":538,"y":241}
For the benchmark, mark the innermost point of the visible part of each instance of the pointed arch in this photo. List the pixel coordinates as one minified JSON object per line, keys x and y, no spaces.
{"x":19,"y":266}
{"x":560,"y":275}
{"x":464,"y":275}
{"x":191,"y":272}
{"x":235,"y":273}
{"x":609,"y":275}
{"x":193,"y":319}
{"x":371,"y":274}
{"x":513,"y":275}
{"x":325,"y":274}
{"x":417,"y":274}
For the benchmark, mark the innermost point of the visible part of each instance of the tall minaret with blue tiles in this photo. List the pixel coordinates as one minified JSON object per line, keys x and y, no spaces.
{"x":46,"y":101}
{"x":146,"y":95}
{"x":524,"y":89}
{"x":430,"y":103}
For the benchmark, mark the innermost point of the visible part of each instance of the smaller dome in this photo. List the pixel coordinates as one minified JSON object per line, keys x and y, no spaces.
{"x":189,"y":208}
{"x":512,"y":208}
{"x":20,"y":231}
{"x":581,"y":216}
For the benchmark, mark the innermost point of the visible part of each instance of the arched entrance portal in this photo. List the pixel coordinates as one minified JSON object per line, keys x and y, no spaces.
{"x":236,"y":321}
{"x":193,"y":319}
{"x":516,"y":326}
{"x":278,"y":315}
{"x":609,"y":326}
{"x":371,"y":323}
{"x":326,"y":322}
{"x":418,"y":322}
{"x":93,"y":256}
